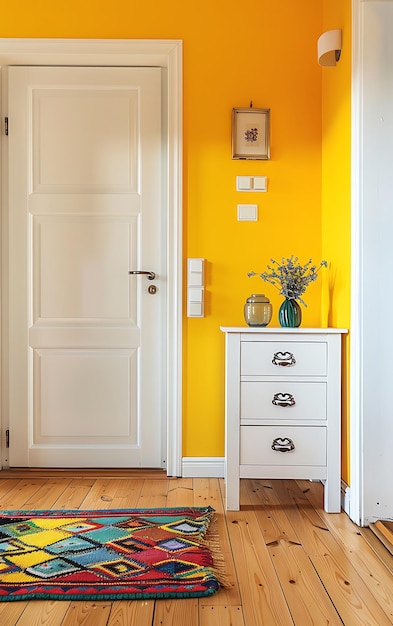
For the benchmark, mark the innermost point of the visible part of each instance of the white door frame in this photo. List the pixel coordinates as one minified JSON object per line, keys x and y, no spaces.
{"x":359,"y":383}
{"x":356,"y":391}
{"x":166,"y":54}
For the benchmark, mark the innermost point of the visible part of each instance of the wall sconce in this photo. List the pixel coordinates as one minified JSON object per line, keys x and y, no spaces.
{"x":329,"y":47}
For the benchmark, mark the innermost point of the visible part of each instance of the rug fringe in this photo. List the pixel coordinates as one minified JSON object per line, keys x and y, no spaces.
{"x":212,"y":542}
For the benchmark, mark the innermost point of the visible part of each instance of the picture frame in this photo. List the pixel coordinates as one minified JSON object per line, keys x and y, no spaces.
{"x":250,"y":133}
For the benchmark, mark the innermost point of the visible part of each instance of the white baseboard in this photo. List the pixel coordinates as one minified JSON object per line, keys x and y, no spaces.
{"x":203,"y":467}
{"x":345,"y":497}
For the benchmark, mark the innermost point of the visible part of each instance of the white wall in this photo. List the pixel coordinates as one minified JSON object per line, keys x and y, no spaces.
{"x":376,"y":260}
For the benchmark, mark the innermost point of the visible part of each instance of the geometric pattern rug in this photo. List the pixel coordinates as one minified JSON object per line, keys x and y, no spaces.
{"x":108,"y":554}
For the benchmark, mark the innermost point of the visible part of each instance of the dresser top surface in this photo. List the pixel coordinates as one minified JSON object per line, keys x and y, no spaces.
{"x":267,"y":330}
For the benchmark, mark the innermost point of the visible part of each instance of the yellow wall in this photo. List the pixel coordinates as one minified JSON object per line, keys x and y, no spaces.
{"x":258,"y":57}
{"x":336,"y":197}
{"x":264,"y":52}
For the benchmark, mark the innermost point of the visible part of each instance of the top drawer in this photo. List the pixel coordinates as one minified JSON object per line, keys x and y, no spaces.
{"x":283,"y":358}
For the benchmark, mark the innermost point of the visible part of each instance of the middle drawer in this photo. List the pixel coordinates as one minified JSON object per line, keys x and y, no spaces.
{"x":282,"y":400}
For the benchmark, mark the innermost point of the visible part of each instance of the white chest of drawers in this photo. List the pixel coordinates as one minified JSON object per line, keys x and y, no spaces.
{"x":283,"y":407}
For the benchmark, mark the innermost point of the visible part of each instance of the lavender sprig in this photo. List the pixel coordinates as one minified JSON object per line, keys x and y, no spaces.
{"x":290,"y":277}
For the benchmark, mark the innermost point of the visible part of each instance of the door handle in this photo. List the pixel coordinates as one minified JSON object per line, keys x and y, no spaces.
{"x":150,"y":275}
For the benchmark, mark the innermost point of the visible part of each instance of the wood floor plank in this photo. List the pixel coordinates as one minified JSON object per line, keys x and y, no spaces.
{"x":132,"y":613}
{"x":176,"y":612}
{"x":74,"y":494}
{"x":10,"y":612}
{"x":344,"y":529}
{"x":17,"y":497}
{"x":126,"y":494}
{"x":153,"y":494}
{"x":354,"y":602}
{"x":207,"y":493}
{"x":263,"y":601}
{"x":47,"y":494}
{"x":84,"y":613}
{"x":44,"y":613}
{"x":208,"y":490}
{"x":7,"y":485}
{"x":303,"y":590}
{"x":221,"y":616}
{"x":374,"y":573}
{"x":180,"y":492}
{"x":102,"y":494}
{"x":349,"y":594}
{"x":274,"y":522}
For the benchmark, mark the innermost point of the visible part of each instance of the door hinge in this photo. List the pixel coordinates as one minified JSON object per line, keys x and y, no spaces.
{"x":6,"y":125}
{"x":7,"y":438}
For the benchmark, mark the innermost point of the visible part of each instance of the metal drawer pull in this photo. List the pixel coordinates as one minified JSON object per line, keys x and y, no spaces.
{"x":283,"y":359}
{"x":283,"y":399}
{"x":283,"y":444}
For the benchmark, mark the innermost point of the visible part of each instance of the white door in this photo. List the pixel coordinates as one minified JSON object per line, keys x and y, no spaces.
{"x":86,"y":342}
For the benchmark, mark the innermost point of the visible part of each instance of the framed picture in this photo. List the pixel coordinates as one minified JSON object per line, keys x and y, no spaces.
{"x":251,"y":133}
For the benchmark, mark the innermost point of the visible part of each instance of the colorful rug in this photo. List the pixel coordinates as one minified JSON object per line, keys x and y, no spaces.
{"x":107,"y":554}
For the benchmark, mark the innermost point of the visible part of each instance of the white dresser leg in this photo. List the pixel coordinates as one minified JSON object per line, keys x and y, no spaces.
{"x":233,"y":494}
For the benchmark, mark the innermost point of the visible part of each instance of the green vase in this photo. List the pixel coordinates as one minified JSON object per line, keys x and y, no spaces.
{"x":290,"y":314}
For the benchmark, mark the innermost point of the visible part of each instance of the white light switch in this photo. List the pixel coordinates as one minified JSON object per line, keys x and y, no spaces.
{"x":195,"y":265}
{"x":195,"y":294}
{"x":243,"y":183}
{"x":260,"y":183}
{"x":195,"y":309}
{"x":195,"y":287}
{"x":251,"y":183}
{"x":247,"y":212}
{"x":194,"y":279}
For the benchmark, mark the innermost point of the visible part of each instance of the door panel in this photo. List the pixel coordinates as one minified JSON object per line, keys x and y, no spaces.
{"x":84,"y":139}
{"x":91,"y":284}
{"x":74,"y":417}
{"x":86,"y":339}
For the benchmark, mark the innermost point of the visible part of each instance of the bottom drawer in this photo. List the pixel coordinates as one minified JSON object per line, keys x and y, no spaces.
{"x":309,"y":445}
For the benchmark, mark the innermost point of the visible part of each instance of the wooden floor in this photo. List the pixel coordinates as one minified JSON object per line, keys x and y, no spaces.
{"x":288,"y":562}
